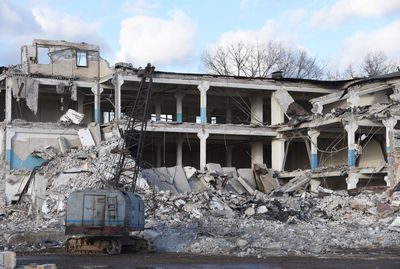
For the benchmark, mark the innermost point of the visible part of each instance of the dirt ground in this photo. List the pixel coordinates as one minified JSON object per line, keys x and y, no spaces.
{"x":355,"y":259}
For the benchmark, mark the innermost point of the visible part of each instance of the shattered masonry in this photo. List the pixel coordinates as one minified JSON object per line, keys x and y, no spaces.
{"x":218,"y":148}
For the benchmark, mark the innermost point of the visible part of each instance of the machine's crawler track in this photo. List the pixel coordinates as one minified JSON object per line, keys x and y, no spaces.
{"x":109,"y":245}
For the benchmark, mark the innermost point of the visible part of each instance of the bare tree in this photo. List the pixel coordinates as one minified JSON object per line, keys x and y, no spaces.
{"x":377,"y":63}
{"x":260,"y":59}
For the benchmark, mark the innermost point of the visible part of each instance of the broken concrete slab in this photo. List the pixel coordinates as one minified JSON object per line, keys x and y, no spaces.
{"x":214,"y":168}
{"x":189,"y":171}
{"x":63,"y":144}
{"x":233,"y":179}
{"x":86,"y":138}
{"x":265,"y":179}
{"x":249,"y":188}
{"x":72,"y":116}
{"x":94,"y":129}
{"x":159,"y":179}
{"x":248,"y":175}
{"x":180,"y":181}
{"x":46,"y":153}
{"x":296,"y":183}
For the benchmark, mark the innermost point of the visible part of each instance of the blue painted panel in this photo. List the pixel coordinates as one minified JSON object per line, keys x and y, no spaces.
{"x":351,"y":158}
{"x":179,"y":117}
{"x":203,"y":114}
{"x":158,"y":119}
{"x":387,"y":149}
{"x":97,"y":115}
{"x":314,"y":161}
{"x":28,"y":164}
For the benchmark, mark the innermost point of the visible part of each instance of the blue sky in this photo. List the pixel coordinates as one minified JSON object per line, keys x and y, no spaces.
{"x":174,"y":33}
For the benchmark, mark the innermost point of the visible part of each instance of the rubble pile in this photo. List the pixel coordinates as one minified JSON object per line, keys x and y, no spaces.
{"x":220,"y":211}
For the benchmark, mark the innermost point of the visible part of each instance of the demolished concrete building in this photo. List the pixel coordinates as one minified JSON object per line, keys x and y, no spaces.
{"x":342,"y":132}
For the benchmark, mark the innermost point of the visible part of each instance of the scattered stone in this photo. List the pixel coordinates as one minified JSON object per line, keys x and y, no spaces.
{"x":249,"y":212}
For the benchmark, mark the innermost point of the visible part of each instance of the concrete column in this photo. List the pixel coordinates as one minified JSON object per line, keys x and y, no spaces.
{"x":179,"y":97}
{"x":203,"y":135}
{"x":158,"y":110}
{"x":228,"y":110}
{"x":203,"y":88}
{"x":351,"y":129}
{"x":313,"y":134}
{"x":229,"y":156}
{"x":389,"y":124}
{"x":81,"y":99}
{"x":117,"y":81}
{"x":158,"y":147}
{"x":257,"y":154}
{"x":352,"y":180}
{"x":277,"y":143}
{"x":97,"y":90}
{"x":353,"y":98}
{"x":179,"y":143}
{"x":277,"y":114}
{"x":277,"y":152}
{"x":257,"y":109}
{"x":8,"y":105}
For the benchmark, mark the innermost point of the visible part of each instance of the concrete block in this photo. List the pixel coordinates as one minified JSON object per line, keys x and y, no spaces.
{"x":189,"y":171}
{"x":246,"y":185}
{"x":63,"y":144}
{"x":269,"y":182}
{"x":8,"y":260}
{"x":214,"y":168}
{"x":233,"y":180}
{"x":86,"y":137}
{"x":72,"y":116}
{"x":247,"y":173}
{"x":95,"y":131}
{"x":196,"y":185}
{"x":159,"y":179}
{"x":180,"y":181}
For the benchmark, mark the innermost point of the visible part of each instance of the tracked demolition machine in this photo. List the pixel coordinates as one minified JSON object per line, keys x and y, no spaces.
{"x":104,"y":221}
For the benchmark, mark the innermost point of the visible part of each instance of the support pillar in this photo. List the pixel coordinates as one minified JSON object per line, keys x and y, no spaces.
{"x":179,"y":97}
{"x":117,"y":81}
{"x":313,"y":134}
{"x":97,"y":90}
{"x":81,"y":99}
{"x":158,"y":147}
{"x":277,"y":152}
{"x":229,"y":156}
{"x":257,"y":109}
{"x":203,"y":88}
{"x":158,"y":110}
{"x":351,"y":129}
{"x":389,"y":124}
{"x":8,"y":105}
{"x":257,"y":153}
{"x":203,"y":135}
{"x":179,"y":143}
{"x":228,"y":110}
{"x":277,"y":143}
{"x":352,"y":180}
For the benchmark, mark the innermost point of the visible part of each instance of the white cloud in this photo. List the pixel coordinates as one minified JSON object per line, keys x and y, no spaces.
{"x":344,"y":9}
{"x":269,"y":32}
{"x":146,"y":39}
{"x":139,"y":7}
{"x":20,"y":25}
{"x":354,"y":49}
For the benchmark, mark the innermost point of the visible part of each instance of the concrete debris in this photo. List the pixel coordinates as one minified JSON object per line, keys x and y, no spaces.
{"x":266,"y":182}
{"x":297,"y":182}
{"x":72,"y":116}
{"x":86,"y":138}
{"x":213,"y":212}
{"x":94,"y":129}
{"x":46,"y":153}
